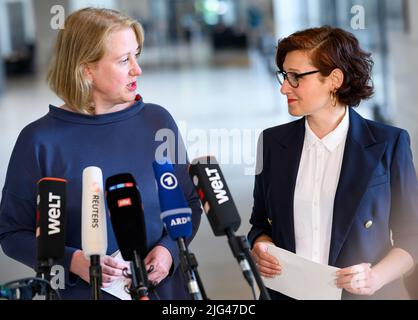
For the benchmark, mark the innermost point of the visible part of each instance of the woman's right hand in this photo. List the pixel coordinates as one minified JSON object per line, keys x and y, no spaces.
{"x":267,"y":265}
{"x":111,"y":268}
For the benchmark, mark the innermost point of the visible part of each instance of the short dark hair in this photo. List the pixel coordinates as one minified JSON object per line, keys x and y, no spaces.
{"x":331,"y":48}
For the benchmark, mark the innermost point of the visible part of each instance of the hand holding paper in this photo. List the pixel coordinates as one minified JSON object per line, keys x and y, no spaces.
{"x":303,"y":279}
{"x":268,"y":265}
{"x":117,"y":287}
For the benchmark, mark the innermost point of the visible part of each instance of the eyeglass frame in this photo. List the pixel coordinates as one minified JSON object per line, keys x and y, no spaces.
{"x":297,"y":76}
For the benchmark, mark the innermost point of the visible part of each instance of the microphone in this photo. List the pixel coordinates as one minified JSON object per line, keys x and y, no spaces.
{"x":177,"y":218}
{"x":223,"y":215}
{"x":50,"y":226}
{"x":215,"y":196}
{"x":175,"y":213}
{"x":93,"y":225}
{"x":127,"y":217}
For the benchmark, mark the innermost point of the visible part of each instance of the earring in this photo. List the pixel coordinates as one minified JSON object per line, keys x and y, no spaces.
{"x":334,"y":98}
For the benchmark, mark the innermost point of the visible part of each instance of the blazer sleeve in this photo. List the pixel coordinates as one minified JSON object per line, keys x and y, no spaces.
{"x":404,"y":201}
{"x":259,"y":216}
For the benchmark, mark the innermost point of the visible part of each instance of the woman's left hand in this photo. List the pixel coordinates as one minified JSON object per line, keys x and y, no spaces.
{"x":359,"y":279}
{"x":158,"y":263}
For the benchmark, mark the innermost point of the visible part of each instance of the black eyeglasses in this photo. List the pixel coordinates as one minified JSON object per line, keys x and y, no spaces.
{"x":292,"y":77}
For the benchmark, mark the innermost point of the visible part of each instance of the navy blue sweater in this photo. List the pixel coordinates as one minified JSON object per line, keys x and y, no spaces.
{"x":61,"y":144}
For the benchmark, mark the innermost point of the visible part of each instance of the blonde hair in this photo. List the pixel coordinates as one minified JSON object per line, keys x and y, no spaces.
{"x":82,"y":41}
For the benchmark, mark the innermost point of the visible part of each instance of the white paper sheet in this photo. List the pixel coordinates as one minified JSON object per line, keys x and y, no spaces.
{"x":303,"y":279}
{"x":117,"y":287}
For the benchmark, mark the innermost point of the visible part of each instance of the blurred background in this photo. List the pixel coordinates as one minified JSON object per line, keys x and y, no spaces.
{"x":211,"y":64}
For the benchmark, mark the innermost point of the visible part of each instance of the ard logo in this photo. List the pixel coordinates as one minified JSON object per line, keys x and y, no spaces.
{"x":180,"y":221}
{"x":168,"y":181}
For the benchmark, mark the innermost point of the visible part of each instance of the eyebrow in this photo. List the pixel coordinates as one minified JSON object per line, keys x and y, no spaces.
{"x":293,"y":70}
{"x":138,"y":50}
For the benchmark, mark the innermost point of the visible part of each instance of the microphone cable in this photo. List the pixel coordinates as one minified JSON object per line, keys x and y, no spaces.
{"x":26,"y":289}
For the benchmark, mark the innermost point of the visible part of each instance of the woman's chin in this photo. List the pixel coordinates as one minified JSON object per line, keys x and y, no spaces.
{"x":295,"y":112}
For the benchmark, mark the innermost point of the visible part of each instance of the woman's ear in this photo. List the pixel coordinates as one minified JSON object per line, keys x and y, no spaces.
{"x":88,"y":72}
{"x":337,"y":78}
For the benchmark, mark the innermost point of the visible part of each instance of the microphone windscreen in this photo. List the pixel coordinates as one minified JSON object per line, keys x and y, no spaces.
{"x":175,"y":213}
{"x":51,"y":218}
{"x":127,"y":215}
{"x":93,"y":213}
{"x":214,"y":194}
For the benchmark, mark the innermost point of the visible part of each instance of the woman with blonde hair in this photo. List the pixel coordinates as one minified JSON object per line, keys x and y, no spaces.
{"x":103,"y":122}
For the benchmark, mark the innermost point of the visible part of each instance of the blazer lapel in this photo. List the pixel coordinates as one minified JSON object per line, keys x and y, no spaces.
{"x":285,"y":169}
{"x":361,"y":156}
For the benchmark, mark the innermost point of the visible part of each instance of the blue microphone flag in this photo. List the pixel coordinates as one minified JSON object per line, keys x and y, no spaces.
{"x":175,"y":213}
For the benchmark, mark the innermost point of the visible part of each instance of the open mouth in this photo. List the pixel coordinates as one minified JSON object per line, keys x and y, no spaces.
{"x":132,"y":86}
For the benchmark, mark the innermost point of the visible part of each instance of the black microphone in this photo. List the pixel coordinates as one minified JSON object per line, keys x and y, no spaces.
{"x":50,"y":225}
{"x":223,"y":215}
{"x":215,"y":196}
{"x":127,"y":217}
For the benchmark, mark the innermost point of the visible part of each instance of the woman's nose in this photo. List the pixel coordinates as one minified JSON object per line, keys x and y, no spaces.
{"x":286,"y":88}
{"x":136,"y":69}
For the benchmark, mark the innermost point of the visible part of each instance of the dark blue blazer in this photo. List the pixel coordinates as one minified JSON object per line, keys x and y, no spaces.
{"x":377,"y":183}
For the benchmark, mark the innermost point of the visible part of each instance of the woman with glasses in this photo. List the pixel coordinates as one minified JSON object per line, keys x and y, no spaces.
{"x":335,"y":188}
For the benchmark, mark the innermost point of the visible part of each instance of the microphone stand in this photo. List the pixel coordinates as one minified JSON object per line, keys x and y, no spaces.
{"x":193,"y":264}
{"x":192,"y":284}
{"x":95,"y":271}
{"x":44,"y":272}
{"x":139,"y":285}
{"x":241,"y":251}
{"x":263,"y":291}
